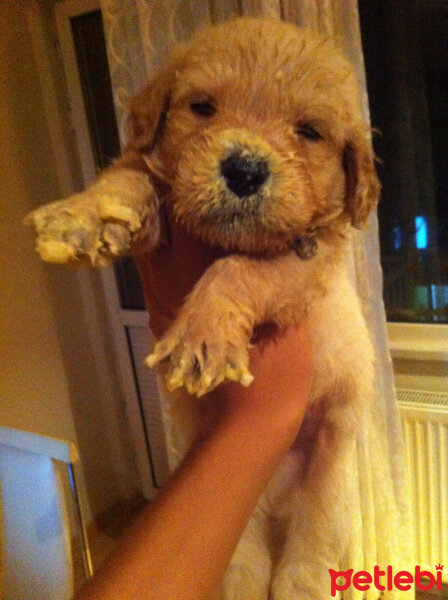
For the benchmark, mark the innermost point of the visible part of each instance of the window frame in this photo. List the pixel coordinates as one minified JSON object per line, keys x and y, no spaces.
{"x":418,"y":341}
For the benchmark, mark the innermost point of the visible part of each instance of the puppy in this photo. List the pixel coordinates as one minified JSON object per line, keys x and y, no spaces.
{"x":252,"y":138}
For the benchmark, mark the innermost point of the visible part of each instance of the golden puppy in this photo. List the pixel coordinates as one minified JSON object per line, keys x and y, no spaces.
{"x":252,"y":137}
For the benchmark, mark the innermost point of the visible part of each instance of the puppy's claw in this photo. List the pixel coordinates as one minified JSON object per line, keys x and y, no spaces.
{"x":205,"y":381}
{"x":53,"y":251}
{"x":232,"y":374}
{"x":152,"y":360}
{"x":175,"y":379}
{"x":246,"y":379}
{"x":160,"y":351}
{"x":241,"y":374}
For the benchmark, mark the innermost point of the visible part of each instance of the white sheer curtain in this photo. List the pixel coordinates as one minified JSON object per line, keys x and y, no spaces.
{"x":139,"y":35}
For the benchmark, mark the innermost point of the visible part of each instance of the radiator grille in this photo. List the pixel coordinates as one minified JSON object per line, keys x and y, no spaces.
{"x":424,"y":398}
{"x":425,"y":427}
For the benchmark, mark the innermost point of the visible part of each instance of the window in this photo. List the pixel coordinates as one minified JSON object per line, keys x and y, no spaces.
{"x":405,"y":46}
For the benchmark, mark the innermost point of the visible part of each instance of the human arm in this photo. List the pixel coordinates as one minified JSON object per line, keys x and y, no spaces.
{"x":181,"y":544}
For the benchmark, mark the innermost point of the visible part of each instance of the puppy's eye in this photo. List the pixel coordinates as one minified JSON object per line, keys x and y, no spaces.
{"x":309,"y":132}
{"x":204,"y":108}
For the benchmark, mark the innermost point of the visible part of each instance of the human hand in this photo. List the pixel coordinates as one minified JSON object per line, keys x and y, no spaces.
{"x":169,"y":273}
{"x":281,"y":362}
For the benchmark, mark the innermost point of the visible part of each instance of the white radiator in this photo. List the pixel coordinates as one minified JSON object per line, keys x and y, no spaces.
{"x":425,"y":426}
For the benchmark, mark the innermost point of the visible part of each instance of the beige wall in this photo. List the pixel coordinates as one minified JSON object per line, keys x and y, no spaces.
{"x":34,"y":392}
{"x":48,"y":380}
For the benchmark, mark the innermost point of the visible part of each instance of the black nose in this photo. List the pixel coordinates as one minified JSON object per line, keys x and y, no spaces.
{"x":244,"y":175}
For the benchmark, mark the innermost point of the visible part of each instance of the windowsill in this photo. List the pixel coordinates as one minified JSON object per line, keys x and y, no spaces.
{"x":415,"y":341}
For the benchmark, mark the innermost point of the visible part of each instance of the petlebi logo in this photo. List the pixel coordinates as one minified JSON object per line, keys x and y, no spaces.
{"x":386,"y":580}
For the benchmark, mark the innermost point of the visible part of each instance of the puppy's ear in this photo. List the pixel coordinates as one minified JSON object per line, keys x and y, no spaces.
{"x":362,"y":187}
{"x":148,"y":112}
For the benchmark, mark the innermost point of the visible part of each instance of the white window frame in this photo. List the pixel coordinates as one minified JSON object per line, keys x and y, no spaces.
{"x":417,"y":341}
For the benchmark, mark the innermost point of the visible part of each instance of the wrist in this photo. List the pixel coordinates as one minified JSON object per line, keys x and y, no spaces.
{"x":248,"y":427}
{"x":256,"y":407}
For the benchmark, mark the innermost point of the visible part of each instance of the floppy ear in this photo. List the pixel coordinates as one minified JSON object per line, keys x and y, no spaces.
{"x":362,"y":187}
{"x":148,"y":111}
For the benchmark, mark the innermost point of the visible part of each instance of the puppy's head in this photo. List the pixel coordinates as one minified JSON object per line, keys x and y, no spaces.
{"x":257,"y":126}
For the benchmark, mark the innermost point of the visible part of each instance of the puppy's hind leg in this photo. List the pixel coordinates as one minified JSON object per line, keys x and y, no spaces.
{"x":318,"y":518}
{"x":249,"y":573}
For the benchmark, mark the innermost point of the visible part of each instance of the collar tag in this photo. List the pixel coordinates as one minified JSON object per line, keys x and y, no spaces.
{"x":305,"y":247}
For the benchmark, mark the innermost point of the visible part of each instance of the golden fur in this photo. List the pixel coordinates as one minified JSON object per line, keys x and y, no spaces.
{"x":285,"y":103}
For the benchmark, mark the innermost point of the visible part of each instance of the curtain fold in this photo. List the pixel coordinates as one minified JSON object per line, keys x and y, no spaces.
{"x":139,"y":35}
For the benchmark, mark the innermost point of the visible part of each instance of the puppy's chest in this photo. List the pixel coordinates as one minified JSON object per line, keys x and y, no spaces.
{"x":341,"y":347}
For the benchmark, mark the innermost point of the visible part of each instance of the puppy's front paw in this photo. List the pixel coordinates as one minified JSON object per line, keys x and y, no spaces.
{"x":95,"y":226}
{"x":201,"y":356}
{"x":72,"y":231}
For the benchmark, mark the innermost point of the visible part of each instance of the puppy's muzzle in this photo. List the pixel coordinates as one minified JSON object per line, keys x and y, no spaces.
{"x":244,"y":175}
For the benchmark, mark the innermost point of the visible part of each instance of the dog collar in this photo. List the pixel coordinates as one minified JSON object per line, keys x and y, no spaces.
{"x":305,"y":247}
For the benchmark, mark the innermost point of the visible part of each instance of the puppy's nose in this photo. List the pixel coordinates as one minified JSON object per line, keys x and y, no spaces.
{"x":244,"y":175}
